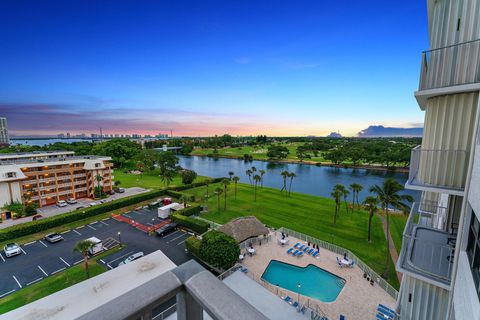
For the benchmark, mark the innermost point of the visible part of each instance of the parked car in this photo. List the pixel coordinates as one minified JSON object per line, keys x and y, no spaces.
{"x":61,"y":203}
{"x":91,"y":204}
{"x":11,"y":249}
{"x":131,"y":258}
{"x":53,"y":237}
{"x":71,"y":201}
{"x":166,"y":229}
{"x":37,"y":217}
{"x":120,"y":190}
{"x":80,"y":207}
{"x":111,"y":192}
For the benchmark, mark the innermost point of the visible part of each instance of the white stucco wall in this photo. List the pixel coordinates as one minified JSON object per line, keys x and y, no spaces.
{"x":465,"y":298}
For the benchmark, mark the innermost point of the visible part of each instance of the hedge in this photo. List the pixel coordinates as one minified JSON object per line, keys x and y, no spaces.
{"x":219,"y":250}
{"x":195,"y":225}
{"x":193,"y":245}
{"x":189,"y":211}
{"x":51,"y":222}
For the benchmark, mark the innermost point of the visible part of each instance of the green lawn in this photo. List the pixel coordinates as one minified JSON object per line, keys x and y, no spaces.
{"x":52,"y":284}
{"x":397,"y":224}
{"x":147,"y":180}
{"x":304,"y":213}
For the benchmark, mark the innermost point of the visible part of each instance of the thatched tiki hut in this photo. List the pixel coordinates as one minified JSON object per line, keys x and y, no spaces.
{"x":244,"y":228}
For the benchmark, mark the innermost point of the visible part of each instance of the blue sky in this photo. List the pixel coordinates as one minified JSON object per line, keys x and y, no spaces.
{"x":210,"y":67}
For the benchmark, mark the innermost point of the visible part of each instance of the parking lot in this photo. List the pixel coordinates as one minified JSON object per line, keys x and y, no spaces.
{"x":40,"y":259}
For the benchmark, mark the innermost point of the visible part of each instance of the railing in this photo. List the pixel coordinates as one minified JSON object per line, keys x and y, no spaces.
{"x":451,"y":65}
{"x":436,"y":168}
{"x":340,"y":250}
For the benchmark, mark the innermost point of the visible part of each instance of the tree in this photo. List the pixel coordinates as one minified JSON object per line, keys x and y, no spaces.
{"x":371,"y":204}
{"x":277,"y":152}
{"x":140,"y":167}
{"x":117,"y":183}
{"x":291,"y":175}
{"x":388,"y":195}
{"x":225,"y":183}
{"x":167,"y":165}
{"x":82,"y":247}
{"x":15,"y":207}
{"x":231,"y":174}
{"x":235,"y":180}
{"x":218,"y":192}
{"x":207,"y":182}
{"x":254,"y":169}
{"x":98,"y":188}
{"x":188,"y":176}
{"x":343,"y":193}
{"x":336,"y":194}
{"x":167,"y":177}
{"x":284,"y":175}
{"x":147,"y":158}
{"x":249,"y":174}
{"x":257,"y":179}
{"x":184,"y":199}
{"x":219,"y":250}
{"x":119,"y":149}
{"x":356,"y":188}
{"x":262,"y":172}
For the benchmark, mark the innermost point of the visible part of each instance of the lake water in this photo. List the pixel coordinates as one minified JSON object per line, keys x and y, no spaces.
{"x":44,"y":142}
{"x":311,"y":179}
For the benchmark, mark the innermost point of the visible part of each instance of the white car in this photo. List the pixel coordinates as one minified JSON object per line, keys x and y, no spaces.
{"x":61,"y":204}
{"x":71,"y":201}
{"x":131,"y":258}
{"x":91,"y":204}
{"x":11,"y":249}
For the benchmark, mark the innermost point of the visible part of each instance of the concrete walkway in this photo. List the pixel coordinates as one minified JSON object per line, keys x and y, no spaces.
{"x":391,"y":247}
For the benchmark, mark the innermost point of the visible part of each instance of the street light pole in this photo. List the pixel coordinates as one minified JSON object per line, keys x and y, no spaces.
{"x":298,"y":292}
{"x":119,"y":238}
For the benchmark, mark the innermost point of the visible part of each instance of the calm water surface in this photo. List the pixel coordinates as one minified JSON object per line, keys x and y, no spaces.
{"x":310,"y":179}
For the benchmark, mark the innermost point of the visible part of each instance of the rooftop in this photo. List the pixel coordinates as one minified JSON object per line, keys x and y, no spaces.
{"x":244,"y":228}
{"x":53,"y":160}
{"x":33,"y":153}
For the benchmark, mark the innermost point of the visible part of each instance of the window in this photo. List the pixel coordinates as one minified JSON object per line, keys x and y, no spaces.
{"x":473,"y":251}
{"x":11,"y":174}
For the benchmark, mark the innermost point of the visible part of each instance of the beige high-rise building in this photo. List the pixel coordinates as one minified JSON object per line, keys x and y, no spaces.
{"x":440,"y":257}
{"x":4,"y":138}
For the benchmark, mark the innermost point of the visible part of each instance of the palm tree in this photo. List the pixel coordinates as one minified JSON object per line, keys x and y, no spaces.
{"x":140,"y":166}
{"x":343,"y":193}
{"x":345,"y":196}
{"x":257,"y":179}
{"x":184,"y":199}
{"x":284,"y":175}
{"x":235,"y":180}
{"x":207,"y":181}
{"x":225,"y":183}
{"x":387,"y":195}
{"x":231,"y":173}
{"x":262,"y":172}
{"x":82,"y":247}
{"x":291,"y":175}
{"x":336,"y":194}
{"x":254,"y":169}
{"x":371,"y":204}
{"x":356,"y":188}
{"x":249,"y":174}
{"x":218,"y":192}
{"x":99,"y":179}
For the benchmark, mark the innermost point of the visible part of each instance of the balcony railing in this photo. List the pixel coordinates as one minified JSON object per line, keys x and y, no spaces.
{"x":451,"y":65}
{"x":428,"y":248}
{"x":440,"y":170}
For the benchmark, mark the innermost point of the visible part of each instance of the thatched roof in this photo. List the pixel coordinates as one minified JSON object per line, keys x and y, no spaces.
{"x":244,"y":228}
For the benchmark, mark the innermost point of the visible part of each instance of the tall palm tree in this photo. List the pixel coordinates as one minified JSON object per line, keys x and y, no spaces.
{"x":249,"y":174}
{"x":254,"y":169}
{"x":99,"y":179}
{"x":356,"y":188}
{"x":235,"y":180}
{"x":336,"y":194}
{"x":257,"y":179}
{"x":225,"y":183}
{"x":388,"y":195}
{"x":371,"y":204}
{"x":343,"y":193}
{"x":82,"y":247}
{"x":284,"y":175}
{"x":231,"y":173}
{"x":218,"y":192}
{"x":207,"y":182}
{"x":345,"y":196}
{"x":184,"y":199}
{"x":291,"y":175}
{"x":262,"y":172}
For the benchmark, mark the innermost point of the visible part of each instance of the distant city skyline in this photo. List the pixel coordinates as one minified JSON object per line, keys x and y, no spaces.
{"x":202,"y":68}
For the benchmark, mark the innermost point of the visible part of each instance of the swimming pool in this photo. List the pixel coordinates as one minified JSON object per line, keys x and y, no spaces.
{"x":314,"y":282}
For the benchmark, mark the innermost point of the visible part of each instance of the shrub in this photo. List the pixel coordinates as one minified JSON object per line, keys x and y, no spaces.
{"x":193,"y":245}
{"x":189,"y":211}
{"x":195,"y":225}
{"x":188,"y":176}
{"x":219,"y":250}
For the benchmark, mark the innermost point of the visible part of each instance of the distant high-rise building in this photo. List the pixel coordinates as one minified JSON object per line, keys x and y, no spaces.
{"x":68,"y":135}
{"x":4,"y":139}
{"x":60,"y":136}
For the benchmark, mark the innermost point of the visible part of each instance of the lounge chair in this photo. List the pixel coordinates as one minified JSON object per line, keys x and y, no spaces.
{"x":342,"y":317}
{"x":306,"y":249}
{"x":302,"y":309}
{"x":383,"y":317}
{"x":315,"y":254}
{"x":295,"y":252}
{"x":300,"y":254}
{"x":388,"y":313}
{"x":287,"y":299}
{"x":296,"y":245}
{"x":295,"y":304}
{"x":311,"y":251}
{"x":289,"y":250}
{"x":351,"y":264}
{"x":244,"y":270}
{"x":301,"y":247}
{"x":339,"y":263}
{"x":387,"y":308}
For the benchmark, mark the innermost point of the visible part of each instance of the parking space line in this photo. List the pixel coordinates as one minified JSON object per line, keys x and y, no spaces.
{"x":43,"y":243}
{"x":171,"y":234}
{"x":80,"y":227}
{"x":101,"y":260}
{"x":17,"y":282}
{"x":176,"y":238}
{"x":181,"y":242}
{"x":42,"y":271}
{"x":7,"y":293}
{"x":22,"y":250}
{"x":36,"y":280}
{"x":127,"y":254}
{"x":65,"y":261}
{"x":91,"y":227}
{"x":93,"y":222}
{"x":105,"y":219}
{"x":104,"y":223}
{"x":77,"y":262}
{"x":57,"y":271}
{"x":76,"y":232}
{"x":2,"y":257}
{"x":63,"y":232}
{"x":29,"y":243}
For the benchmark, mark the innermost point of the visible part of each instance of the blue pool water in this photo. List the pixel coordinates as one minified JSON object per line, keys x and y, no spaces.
{"x":314,"y":282}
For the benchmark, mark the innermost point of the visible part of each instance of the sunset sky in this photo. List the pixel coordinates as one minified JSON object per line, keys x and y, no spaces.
{"x":210,"y":67}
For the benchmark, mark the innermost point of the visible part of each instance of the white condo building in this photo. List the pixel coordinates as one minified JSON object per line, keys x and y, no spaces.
{"x":440,"y":257}
{"x":4,"y":138}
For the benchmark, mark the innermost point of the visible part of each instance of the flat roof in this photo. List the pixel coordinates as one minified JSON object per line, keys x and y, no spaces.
{"x":33,"y":153}
{"x":53,"y":160}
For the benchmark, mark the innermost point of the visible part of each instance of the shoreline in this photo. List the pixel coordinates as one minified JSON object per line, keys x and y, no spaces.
{"x":313,"y":163}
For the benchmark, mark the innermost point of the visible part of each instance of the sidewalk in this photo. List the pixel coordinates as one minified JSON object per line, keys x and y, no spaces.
{"x":391,"y":247}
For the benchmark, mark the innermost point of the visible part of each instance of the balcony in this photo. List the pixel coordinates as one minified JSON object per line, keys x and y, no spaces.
{"x":452,"y":65}
{"x":136,"y":290}
{"x":428,"y":248}
{"x":438,"y":170}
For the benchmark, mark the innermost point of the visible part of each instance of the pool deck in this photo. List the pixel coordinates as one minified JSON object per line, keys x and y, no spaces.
{"x":357,"y":300}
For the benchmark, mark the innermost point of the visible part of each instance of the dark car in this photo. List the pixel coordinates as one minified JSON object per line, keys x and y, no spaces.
{"x":166,"y":229}
{"x":53,"y":237}
{"x":37,"y":217}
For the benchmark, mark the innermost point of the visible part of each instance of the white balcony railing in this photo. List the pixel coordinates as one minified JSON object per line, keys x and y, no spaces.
{"x":441,"y":170}
{"x":451,"y":65}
